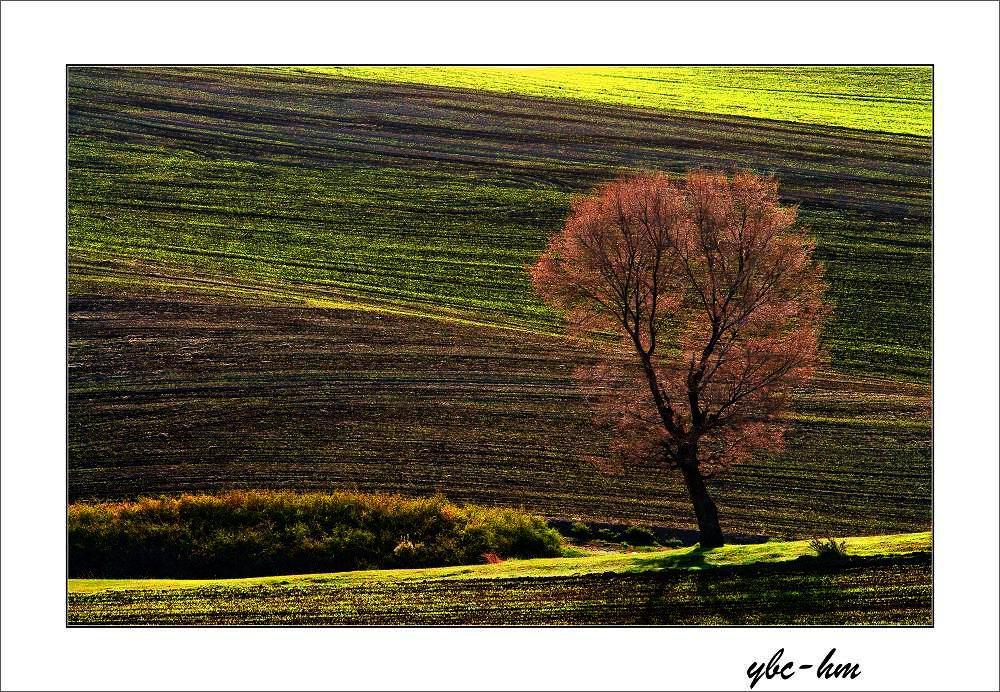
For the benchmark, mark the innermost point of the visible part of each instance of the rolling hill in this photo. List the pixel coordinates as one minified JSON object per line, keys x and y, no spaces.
{"x":297,"y":279}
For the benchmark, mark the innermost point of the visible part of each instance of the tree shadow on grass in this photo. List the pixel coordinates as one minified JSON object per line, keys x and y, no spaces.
{"x":693,"y":559}
{"x":676,"y":569}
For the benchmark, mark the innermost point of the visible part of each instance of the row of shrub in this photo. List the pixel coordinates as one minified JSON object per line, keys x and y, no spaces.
{"x":258,"y":533}
{"x":629,"y":534}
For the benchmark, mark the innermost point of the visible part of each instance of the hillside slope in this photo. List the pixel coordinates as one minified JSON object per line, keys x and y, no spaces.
{"x":296,"y":280}
{"x":884,"y":98}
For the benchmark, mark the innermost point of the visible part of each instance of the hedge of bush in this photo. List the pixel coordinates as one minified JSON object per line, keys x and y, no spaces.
{"x":259,"y":533}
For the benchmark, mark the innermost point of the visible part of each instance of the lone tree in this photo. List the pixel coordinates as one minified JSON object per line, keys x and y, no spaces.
{"x":718,"y":302}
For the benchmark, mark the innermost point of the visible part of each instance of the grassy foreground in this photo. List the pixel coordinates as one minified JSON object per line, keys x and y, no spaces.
{"x":887,"y":580}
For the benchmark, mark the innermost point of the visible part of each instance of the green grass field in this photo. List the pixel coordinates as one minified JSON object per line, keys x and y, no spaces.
{"x":307,"y":280}
{"x":885,"y":98}
{"x":885,"y":581}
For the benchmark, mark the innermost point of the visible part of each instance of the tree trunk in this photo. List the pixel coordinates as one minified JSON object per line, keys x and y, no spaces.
{"x":704,"y":508}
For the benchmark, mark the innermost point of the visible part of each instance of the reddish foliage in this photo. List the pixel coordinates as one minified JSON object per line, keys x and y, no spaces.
{"x":714,"y":290}
{"x":492,"y":558}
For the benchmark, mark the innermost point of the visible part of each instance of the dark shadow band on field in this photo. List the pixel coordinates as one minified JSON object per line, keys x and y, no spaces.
{"x":664,"y":535}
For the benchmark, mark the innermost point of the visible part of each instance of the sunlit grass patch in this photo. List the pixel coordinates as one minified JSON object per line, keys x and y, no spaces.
{"x":688,"y":558}
{"x":884,"y":98}
{"x":887,"y":582}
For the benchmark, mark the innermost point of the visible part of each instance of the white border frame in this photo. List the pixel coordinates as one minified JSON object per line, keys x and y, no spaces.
{"x":39,"y":652}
